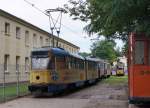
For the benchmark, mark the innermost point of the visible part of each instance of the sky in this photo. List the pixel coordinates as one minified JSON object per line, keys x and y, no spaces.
{"x":71,"y":30}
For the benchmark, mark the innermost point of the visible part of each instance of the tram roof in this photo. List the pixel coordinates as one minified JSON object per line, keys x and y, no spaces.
{"x":93,"y":59}
{"x":58,"y":52}
{"x":62,"y":52}
{"x":77,"y":56}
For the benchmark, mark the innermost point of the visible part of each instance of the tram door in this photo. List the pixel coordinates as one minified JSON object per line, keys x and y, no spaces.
{"x":139,"y":68}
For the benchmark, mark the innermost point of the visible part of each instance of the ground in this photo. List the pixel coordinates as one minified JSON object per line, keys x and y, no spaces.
{"x":109,"y":93}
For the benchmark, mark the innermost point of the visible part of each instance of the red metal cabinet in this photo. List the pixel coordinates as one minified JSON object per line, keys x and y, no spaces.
{"x":139,"y":68}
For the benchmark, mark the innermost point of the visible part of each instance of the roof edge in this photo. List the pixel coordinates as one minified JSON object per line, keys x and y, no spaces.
{"x":27,"y":24}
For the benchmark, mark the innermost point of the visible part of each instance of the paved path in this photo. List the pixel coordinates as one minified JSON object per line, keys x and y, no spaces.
{"x":101,"y":95}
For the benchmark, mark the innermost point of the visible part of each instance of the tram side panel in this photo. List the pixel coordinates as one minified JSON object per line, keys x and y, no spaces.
{"x":75,"y":72}
{"x":92,"y":71}
{"x":105,"y":70}
{"x":108,"y":70}
{"x":102,"y":69}
{"x":71,"y":71}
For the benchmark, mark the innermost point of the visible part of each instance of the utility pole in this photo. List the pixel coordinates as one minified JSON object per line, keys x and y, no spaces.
{"x":55,"y":25}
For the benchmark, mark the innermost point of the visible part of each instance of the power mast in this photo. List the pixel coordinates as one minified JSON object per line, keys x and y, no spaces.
{"x":55,"y":24}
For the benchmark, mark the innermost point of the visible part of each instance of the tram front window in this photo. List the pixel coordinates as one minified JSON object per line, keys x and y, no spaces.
{"x":40,"y":63}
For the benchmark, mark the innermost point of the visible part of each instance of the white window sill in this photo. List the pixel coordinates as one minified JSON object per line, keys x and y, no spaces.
{"x":7,"y":34}
{"x":26,"y":72}
{"x":7,"y":72}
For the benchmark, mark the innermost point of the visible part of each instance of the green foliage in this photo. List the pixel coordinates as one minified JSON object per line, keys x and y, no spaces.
{"x":11,"y":91}
{"x":112,"y":18}
{"x":84,"y":54}
{"x":125,"y":49}
{"x":118,"y":52}
{"x":104,"y":49}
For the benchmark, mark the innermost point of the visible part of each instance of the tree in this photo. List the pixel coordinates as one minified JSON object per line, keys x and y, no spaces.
{"x":118,"y":52}
{"x":125,"y":49}
{"x":105,"y":49}
{"x":84,"y":54}
{"x":112,"y":18}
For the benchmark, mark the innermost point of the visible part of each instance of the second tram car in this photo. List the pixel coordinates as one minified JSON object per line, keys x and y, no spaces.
{"x":92,"y":70}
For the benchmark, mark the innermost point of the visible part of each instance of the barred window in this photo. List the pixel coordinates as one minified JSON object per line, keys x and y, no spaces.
{"x":6,"y":62}
{"x":18,"y":32}
{"x":41,"y":41}
{"x":34,"y":41}
{"x":7,"y":28}
{"x":27,"y":38}
{"x":47,"y":42}
{"x":26,"y":64}
{"x":17,"y":63}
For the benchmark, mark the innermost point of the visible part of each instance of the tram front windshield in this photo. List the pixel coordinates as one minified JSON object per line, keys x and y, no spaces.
{"x":40,"y":63}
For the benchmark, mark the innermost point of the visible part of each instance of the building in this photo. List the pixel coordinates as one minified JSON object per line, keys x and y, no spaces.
{"x":123,"y":60}
{"x":17,"y":39}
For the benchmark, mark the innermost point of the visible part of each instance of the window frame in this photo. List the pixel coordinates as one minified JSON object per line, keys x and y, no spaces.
{"x":7,"y":28}
{"x":144,"y":53}
{"x":41,"y":41}
{"x":34,"y":40}
{"x":27,"y":38}
{"x":26,"y":64}
{"x":6,"y":62}
{"x":18,"y":32}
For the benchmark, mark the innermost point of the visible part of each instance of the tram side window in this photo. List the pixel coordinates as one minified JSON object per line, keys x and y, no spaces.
{"x":68,"y":62}
{"x":139,"y":52}
{"x":102,"y":66}
{"x":95,"y":66}
{"x":60,"y":62}
{"x":72,"y":63}
{"x":77,"y":64}
{"x":81,"y":66}
{"x":90,"y":65}
{"x":105,"y":65}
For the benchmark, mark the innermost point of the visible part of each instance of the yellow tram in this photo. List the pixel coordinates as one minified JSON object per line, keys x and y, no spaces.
{"x":54,"y":70}
{"x":120,"y":69}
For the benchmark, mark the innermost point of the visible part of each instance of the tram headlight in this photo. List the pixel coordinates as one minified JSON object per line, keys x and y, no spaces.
{"x":37,"y":77}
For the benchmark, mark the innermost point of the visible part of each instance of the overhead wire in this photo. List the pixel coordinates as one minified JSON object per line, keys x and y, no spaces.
{"x":33,"y":5}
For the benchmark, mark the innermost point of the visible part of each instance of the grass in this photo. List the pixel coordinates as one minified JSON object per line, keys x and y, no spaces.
{"x":11,"y":91}
{"x":116,"y":80}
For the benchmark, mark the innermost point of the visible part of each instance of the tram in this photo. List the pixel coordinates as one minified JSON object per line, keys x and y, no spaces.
{"x":54,"y":70}
{"x":120,"y":69}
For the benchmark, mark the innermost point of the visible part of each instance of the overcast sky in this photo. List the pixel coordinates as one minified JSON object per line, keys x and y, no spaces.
{"x":72,"y":31}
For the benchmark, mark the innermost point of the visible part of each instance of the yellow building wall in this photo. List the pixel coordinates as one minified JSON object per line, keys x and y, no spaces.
{"x":13,"y":47}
